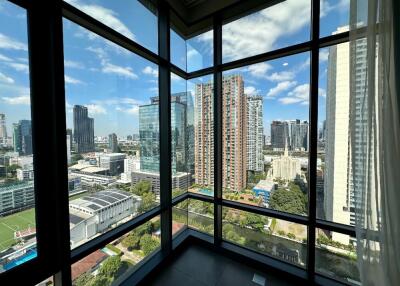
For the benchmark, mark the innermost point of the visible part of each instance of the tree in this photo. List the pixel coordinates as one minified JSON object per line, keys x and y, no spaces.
{"x":110,"y":266}
{"x":148,"y":244}
{"x":83,"y":279}
{"x":148,"y":202}
{"x":254,"y":221}
{"x":13,"y":169}
{"x":99,"y":280}
{"x":131,"y":241}
{"x":76,"y":157}
{"x":292,"y":201}
{"x":141,"y":187}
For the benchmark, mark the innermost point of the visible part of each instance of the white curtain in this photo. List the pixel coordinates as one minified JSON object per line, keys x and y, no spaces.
{"x":375,"y":138}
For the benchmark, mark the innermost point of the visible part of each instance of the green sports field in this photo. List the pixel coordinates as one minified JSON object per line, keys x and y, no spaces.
{"x":9,"y":224}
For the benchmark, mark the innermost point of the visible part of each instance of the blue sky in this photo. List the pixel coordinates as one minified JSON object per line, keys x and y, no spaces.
{"x":113,"y":82}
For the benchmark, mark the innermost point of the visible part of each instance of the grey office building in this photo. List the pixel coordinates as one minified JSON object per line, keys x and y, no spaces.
{"x":83,"y":130}
{"x":113,"y":143}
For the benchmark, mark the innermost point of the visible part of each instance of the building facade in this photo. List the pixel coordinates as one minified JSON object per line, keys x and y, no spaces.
{"x":255,"y":130}
{"x":22,"y":137}
{"x":16,"y":196}
{"x":113,"y":143}
{"x":83,"y":130}
{"x":286,"y":167}
{"x":114,"y":162}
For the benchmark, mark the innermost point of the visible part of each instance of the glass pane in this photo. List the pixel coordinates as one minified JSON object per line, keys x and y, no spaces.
{"x":279,"y":26}
{"x":265,"y":134}
{"x":113,"y":117}
{"x":130,"y":18}
{"x":201,"y":216}
{"x":17,"y":194}
{"x":200,"y":51}
{"x":335,"y":198}
{"x":182,"y":136}
{"x":336,"y":256}
{"x":179,"y":217}
{"x":203,"y":164}
{"x":281,"y":239}
{"x":113,"y":263}
{"x":178,"y":50}
{"x":334,"y":17}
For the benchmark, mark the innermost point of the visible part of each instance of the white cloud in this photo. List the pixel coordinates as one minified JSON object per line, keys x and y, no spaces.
{"x":300,"y":94}
{"x":106,"y":16}
{"x":99,"y":52}
{"x":260,"y":32}
{"x":6,"y":79}
{"x":95,"y":109}
{"x":18,"y":100}
{"x":251,"y":90}
{"x":150,"y":71}
{"x":72,"y":80}
{"x":134,"y":110}
{"x":118,"y":70}
{"x":3,"y":58}
{"x":285,"y":64}
{"x":322,"y":92}
{"x":281,"y":76}
{"x":20,"y":67}
{"x":259,"y":70}
{"x":11,"y":44}
{"x":175,"y":77}
{"x":280,"y":87}
{"x":73,"y":64}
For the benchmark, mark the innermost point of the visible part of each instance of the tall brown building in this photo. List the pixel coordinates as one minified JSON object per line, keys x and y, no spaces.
{"x":233,"y":135}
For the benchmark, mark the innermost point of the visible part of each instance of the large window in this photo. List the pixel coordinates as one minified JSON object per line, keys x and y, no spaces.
{"x":257,"y":120}
{"x":17,"y":192}
{"x":112,"y":136}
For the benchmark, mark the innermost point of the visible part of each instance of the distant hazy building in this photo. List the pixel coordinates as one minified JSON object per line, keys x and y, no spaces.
{"x":113,"y":143}
{"x":279,"y":134}
{"x":255,"y":137}
{"x":3,"y":129}
{"x":68,"y":149}
{"x":298,"y":135}
{"x":71,"y":137}
{"x":83,"y":130}
{"x":286,"y":167}
{"x":22,"y":137}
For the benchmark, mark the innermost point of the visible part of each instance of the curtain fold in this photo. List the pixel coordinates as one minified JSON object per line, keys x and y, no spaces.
{"x":375,"y":138}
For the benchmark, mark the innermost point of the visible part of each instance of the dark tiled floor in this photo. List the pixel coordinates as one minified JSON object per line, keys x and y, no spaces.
{"x":199,"y":266}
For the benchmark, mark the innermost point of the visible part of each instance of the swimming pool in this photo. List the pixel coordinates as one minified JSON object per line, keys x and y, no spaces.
{"x":206,"y":192}
{"x":30,"y":254}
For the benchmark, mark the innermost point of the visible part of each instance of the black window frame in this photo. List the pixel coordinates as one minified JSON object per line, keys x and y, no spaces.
{"x":46,"y":60}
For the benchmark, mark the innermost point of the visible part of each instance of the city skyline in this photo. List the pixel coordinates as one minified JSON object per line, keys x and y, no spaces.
{"x":104,"y":77}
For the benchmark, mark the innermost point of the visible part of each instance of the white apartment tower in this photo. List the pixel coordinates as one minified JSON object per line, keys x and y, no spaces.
{"x":255,"y":130}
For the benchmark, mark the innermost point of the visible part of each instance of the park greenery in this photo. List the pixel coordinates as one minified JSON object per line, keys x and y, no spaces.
{"x":290,"y":199}
{"x":107,"y":273}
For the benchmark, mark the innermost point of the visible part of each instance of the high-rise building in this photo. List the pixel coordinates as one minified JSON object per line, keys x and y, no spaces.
{"x":298,"y":135}
{"x":71,"y":137}
{"x":68,"y":149}
{"x":342,"y":170}
{"x":279,"y":134}
{"x":3,"y":129}
{"x":255,"y":137}
{"x":204,"y":134}
{"x":149,"y":135}
{"x":22,"y":137}
{"x":234,"y":133}
{"x":113,"y":143}
{"x":83,"y":130}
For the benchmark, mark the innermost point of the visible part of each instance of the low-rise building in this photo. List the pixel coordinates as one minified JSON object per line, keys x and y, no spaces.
{"x":264,"y":189}
{"x":97,"y":212}
{"x":16,"y":196}
{"x":25,"y":174}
